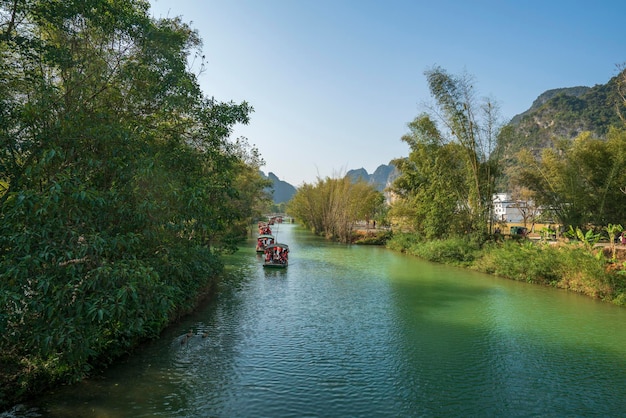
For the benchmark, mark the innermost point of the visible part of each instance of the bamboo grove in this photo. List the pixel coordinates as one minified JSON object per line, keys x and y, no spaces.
{"x":119,"y":187}
{"x":333,"y":205}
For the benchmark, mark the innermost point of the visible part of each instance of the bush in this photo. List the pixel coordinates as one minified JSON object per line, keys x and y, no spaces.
{"x":563,"y":266}
{"x":520,"y":260}
{"x":378,"y":237}
{"x":456,"y":251}
{"x":403,"y":242}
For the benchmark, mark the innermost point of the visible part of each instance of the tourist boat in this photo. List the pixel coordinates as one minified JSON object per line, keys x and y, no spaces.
{"x":264,"y":228}
{"x":276,"y":256}
{"x":263,"y":241}
{"x":275,"y":220}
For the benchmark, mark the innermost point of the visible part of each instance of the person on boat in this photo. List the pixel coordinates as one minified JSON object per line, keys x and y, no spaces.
{"x":277,"y":254}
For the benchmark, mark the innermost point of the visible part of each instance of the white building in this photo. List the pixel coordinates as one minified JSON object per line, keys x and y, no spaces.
{"x":507,"y":210}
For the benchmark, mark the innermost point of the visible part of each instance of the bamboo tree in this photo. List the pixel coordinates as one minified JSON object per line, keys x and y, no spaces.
{"x":450,"y":172}
{"x":579,"y":180}
{"x":475,"y":127}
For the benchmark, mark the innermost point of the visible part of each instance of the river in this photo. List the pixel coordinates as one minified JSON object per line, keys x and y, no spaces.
{"x":361,"y":331}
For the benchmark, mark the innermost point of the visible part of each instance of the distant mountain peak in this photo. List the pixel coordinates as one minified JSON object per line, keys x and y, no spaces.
{"x":281,"y":190}
{"x":381,"y":178}
{"x":547,"y":95}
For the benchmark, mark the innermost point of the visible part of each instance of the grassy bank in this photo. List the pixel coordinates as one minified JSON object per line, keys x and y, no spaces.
{"x":561,"y":265}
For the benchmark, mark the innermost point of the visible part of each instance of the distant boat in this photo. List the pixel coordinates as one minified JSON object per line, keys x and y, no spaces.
{"x":263,"y":241}
{"x":264,"y":228}
{"x":276,"y":256}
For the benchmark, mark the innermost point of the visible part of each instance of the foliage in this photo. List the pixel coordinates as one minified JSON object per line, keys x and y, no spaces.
{"x":562,"y":113}
{"x":446,"y":184}
{"x":521,"y":260}
{"x":580,"y":180}
{"x":373,"y":237}
{"x":403,"y":241}
{"x":620,"y":83}
{"x":612,"y":230}
{"x":455,"y":250}
{"x":432,"y":188}
{"x":277,"y":208}
{"x":564,"y":266}
{"x":568,"y":112}
{"x":119,"y":185}
{"x":547,"y":233}
{"x":332,"y":206}
{"x":589,"y":239}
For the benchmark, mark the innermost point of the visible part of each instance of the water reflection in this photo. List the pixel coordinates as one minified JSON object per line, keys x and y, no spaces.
{"x":499,"y":348}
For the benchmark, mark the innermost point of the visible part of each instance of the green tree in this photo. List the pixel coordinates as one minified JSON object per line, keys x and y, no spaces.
{"x":432,"y":187}
{"x":475,"y":127}
{"x":450,"y":173}
{"x":120,"y":185}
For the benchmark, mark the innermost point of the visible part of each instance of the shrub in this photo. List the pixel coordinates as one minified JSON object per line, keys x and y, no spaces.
{"x":571,"y":267}
{"x":403,"y":242}
{"x":563,"y":266}
{"x":456,"y":251}
{"x":379,"y":237}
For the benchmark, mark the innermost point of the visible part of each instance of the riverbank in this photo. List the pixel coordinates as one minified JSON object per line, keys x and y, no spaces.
{"x":326,"y":336}
{"x":559,"y":264}
{"x":364,"y":235}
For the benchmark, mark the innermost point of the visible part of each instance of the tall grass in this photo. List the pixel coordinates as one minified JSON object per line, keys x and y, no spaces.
{"x":457,"y":251}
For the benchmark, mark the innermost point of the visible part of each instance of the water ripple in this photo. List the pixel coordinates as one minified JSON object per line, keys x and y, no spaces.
{"x":363,"y":332}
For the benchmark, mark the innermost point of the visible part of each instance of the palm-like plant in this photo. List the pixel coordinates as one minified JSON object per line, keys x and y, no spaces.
{"x":612,"y":230}
{"x":589,"y":238}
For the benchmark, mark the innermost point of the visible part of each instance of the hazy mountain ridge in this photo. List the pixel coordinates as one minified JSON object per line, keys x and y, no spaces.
{"x":380,"y":178}
{"x":281,"y":190}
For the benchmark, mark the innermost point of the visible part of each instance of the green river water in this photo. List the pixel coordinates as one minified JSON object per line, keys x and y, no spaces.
{"x":359,"y":331}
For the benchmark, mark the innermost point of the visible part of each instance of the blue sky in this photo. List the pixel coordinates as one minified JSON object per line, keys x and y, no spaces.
{"x":334,"y":83}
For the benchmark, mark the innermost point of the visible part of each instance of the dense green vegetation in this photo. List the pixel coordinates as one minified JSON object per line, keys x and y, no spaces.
{"x":446,"y":183}
{"x":442,"y":195}
{"x":119,"y":188}
{"x":562,"y":114}
{"x":580,"y":181}
{"x":332,"y":206}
